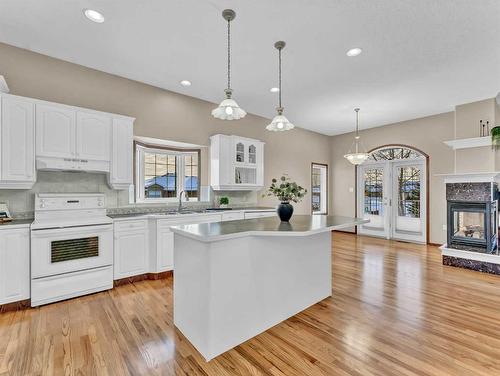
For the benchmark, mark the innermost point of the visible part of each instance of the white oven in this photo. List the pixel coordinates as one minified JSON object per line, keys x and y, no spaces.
{"x":64,"y":250}
{"x":71,"y":247}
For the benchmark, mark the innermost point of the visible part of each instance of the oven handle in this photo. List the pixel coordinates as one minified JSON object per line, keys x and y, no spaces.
{"x":55,"y":230}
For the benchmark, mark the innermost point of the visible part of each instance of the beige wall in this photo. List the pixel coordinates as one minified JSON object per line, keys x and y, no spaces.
{"x":426,"y":134}
{"x":160,"y":113}
{"x":467,"y":117}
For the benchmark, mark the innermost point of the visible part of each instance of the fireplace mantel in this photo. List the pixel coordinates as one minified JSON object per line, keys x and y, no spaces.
{"x":467,"y":177}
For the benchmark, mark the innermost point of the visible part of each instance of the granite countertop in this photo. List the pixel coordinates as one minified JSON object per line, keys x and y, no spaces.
{"x":17,"y":223}
{"x":190,"y":212}
{"x":300,"y":225}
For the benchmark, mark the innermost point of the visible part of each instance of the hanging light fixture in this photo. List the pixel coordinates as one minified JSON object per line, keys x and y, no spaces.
{"x":228,"y":109}
{"x":280,"y":123}
{"x":357,"y":157}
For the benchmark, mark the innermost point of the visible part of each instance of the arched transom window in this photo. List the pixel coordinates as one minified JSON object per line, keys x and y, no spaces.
{"x":389,"y":153}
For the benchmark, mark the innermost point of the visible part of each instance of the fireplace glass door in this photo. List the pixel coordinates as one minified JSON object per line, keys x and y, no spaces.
{"x":469,"y":224}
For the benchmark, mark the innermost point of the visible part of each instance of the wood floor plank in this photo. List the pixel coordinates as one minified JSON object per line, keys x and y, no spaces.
{"x":395,"y":310}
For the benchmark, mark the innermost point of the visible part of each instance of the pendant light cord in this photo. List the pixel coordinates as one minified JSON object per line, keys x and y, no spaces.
{"x":229,"y":55}
{"x":279,"y":77}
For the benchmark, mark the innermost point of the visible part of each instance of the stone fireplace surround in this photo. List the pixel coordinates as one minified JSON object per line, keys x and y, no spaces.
{"x":474,"y":188}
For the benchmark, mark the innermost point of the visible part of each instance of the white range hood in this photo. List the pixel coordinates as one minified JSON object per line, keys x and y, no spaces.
{"x":71,"y":164}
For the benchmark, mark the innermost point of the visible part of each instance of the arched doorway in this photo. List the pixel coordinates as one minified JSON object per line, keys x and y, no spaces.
{"x":392,"y":193}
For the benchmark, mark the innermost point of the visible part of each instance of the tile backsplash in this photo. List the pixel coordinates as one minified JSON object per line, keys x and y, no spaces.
{"x":21,"y":202}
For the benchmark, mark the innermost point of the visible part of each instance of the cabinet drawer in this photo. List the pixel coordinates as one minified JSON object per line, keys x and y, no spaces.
{"x":131,"y":225}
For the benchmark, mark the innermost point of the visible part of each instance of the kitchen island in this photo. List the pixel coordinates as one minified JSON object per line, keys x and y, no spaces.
{"x":236,"y":279}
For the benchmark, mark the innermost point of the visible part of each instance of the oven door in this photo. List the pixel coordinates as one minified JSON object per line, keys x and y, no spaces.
{"x":63,"y":250}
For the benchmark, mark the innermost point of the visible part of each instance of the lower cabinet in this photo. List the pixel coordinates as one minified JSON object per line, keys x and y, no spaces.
{"x":14,"y":265}
{"x":162,"y":239}
{"x":131,"y":248}
{"x":259,"y":214}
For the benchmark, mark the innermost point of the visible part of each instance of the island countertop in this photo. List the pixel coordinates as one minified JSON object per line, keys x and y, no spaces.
{"x":299,"y":225}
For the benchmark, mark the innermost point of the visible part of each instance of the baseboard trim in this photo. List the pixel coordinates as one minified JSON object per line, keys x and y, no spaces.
{"x":15,"y":306}
{"x":142,"y":277}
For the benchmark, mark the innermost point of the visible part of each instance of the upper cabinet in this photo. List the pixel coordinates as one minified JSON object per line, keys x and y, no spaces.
{"x":236,"y":163}
{"x":55,"y":131}
{"x":121,"y":171}
{"x":17,"y":143}
{"x":66,"y":138}
{"x":93,"y":136}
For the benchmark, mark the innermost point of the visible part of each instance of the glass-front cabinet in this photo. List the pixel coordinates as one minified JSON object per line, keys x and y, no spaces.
{"x":237,"y":163}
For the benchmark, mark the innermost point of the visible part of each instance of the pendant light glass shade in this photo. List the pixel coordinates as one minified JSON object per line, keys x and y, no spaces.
{"x":357,"y":157}
{"x":228,"y":109}
{"x":279,"y":123}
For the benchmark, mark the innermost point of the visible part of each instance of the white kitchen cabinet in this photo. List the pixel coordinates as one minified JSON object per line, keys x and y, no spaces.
{"x":55,"y":131}
{"x":14,"y":265}
{"x":131,"y":251}
{"x":259,"y":214}
{"x":162,"y":239}
{"x":93,"y":136}
{"x":121,"y":169}
{"x":236,"y":163}
{"x":232,"y":216}
{"x":17,"y":142}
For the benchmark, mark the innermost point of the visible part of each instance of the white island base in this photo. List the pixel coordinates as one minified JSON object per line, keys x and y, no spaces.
{"x":231,"y":286}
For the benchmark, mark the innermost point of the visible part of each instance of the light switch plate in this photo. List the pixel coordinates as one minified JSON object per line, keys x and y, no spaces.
{"x":351,"y":190}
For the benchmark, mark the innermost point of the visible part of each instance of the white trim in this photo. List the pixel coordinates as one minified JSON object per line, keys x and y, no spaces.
{"x":167,"y":143}
{"x":139,"y":168}
{"x":466,"y":177}
{"x":476,"y":256}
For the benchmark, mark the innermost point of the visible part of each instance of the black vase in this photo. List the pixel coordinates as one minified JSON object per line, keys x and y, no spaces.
{"x":285,"y":211}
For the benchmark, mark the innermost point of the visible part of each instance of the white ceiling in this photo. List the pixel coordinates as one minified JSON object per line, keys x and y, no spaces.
{"x":420,"y":57}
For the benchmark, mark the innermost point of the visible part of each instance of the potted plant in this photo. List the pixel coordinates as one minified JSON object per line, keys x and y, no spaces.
{"x":286,"y":191}
{"x":223,"y":202}
{"x":495,"y":137}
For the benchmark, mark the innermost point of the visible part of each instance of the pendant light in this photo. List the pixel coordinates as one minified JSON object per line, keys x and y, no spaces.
{"x":280,"y":123}
{"x":357,"y":157}
{"x":228,"y":109}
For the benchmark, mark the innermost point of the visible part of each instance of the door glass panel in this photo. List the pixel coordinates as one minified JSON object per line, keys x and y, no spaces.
{"x":408,"y":183}
{"x":373,"y":190}
{"x":319,"y":189}
{"x":252,"y":154}
{"x":240,"y":152}
{"x":245,"y":175}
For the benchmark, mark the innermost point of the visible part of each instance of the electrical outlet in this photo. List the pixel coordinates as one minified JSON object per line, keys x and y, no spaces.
{"x":444,"y":227}
{"x":351,"y":190}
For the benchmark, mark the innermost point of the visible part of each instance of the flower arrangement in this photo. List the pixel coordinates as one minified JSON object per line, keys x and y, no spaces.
{"x":285,"y":190}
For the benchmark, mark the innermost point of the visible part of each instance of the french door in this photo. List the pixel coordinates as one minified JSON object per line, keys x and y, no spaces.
{"x":392,"y":195}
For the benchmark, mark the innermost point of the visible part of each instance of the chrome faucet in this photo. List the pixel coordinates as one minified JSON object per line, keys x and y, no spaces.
{"x":179,"y":209}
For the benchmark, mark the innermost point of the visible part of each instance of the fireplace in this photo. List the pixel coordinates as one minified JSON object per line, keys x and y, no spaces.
{"x":471,"y":226}
{"x":472,"y":216}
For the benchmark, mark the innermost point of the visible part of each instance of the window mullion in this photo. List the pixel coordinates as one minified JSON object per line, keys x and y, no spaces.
{"x":180,"y":173}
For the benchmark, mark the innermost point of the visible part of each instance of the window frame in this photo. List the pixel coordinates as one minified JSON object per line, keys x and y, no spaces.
{"x":139,"y":171}
{"x":326,"y":200}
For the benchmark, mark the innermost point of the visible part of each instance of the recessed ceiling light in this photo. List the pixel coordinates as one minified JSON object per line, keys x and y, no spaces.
{"x":185,"y":83}
{"x":274,"y":89}
{"x":93,"y":15}
{"x":354,"y":52}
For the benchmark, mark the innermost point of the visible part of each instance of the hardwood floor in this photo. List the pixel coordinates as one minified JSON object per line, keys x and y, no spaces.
{"x":395,"y":310}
